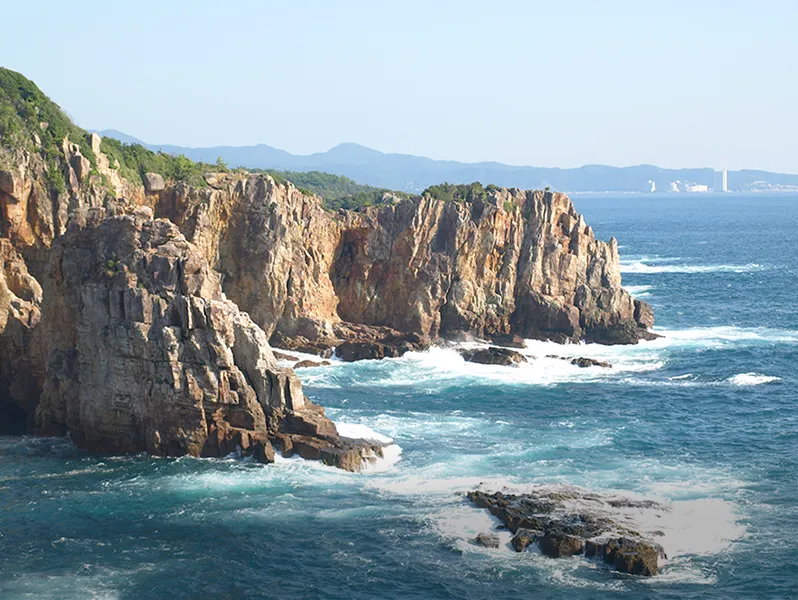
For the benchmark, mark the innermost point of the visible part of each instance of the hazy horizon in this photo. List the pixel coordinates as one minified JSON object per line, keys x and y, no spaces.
{"x":676,"y":86}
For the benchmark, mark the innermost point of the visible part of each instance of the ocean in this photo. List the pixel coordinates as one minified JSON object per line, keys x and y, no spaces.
{"x":704,"y":420}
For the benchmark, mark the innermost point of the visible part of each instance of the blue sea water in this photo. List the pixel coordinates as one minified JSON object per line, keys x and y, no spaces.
{"x":704,"y":419}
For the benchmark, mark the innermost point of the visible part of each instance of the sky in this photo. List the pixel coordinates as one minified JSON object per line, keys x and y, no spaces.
{"x":560,"y":84}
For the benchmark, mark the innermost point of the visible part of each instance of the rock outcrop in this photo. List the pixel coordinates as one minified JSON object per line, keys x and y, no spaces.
{"x":554,"y":522}
{"x":146,"y":354}
{"x":494,"y":356}
{"x":126,"y":332}
{"x":520,"y":263}
{"x":20,"y":298}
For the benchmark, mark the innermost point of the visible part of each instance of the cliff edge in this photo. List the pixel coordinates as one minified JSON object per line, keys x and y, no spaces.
{"x":125,"y":274}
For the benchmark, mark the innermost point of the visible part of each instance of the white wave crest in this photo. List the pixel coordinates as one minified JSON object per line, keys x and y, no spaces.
{"x":643,"y":267}
{"x":391,"y":453}
{"x":639,"y":291}
{"x":723,"y":335}
{"x":747,"y":379}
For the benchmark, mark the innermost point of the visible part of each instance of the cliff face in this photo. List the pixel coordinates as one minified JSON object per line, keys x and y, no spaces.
{"x":125,"y":332}
{"x":146,"y":354}
{"x":519,"y":262}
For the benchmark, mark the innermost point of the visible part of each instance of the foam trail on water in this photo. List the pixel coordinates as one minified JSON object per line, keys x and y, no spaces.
{"x":639,"y":291}
{"x":746,"y":379}
{"x":643,"y":267}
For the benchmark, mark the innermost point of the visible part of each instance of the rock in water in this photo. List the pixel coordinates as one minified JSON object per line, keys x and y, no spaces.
{"x":305,"y":364}
{"x":590,"y":362}
{"x":489,"y":540}
{"x":523,"y":538}
{"x":494,"y":356}
{"x":559,"y":529}
{"x":556,"y":544}
{"x":146,"y":354}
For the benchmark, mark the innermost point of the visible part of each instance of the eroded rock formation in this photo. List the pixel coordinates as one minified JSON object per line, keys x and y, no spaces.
{"x":520,"y":262}
{"x":146,"y":354}
{"x":114,"y":327}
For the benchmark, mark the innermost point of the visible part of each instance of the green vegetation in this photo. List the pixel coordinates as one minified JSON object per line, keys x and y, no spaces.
{"x":463,"y":192}
{"x":336,"y":191}
{"x":134,"y":160}
{"x":27,"y":113}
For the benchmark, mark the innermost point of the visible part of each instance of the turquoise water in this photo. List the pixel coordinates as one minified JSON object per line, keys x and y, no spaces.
{"x":704,"y":419}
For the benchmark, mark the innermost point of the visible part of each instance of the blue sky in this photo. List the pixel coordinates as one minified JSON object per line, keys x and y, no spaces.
{"x":671,"y":83}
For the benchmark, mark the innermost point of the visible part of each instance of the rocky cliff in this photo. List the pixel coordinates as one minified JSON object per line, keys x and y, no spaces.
{"x":146,"y":353}
{"x":120,"y":290}
{"x":520,"y":262}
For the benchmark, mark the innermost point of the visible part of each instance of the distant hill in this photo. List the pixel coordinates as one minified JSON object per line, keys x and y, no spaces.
{"x":415,"y":173}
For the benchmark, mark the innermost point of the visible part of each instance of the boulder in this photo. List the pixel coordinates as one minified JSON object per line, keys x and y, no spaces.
{"x":556,"y":544}
{"x":494,"y":356}
{"x":153,"y":183}
{"x":488,"y":540}
{"x":81,"y":166}
{"x":366,"y":350}
{"x":632,"y":556}
{"x":283,"y":356}
{"x":523,"y":538}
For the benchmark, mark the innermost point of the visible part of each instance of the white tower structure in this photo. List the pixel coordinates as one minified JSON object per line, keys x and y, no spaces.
{"x":724,"y":180}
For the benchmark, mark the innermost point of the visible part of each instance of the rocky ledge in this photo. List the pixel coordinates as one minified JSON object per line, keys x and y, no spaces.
{"x":561,"y":524}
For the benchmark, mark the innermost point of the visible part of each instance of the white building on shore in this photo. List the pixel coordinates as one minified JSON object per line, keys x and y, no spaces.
{"x":721,"y":181}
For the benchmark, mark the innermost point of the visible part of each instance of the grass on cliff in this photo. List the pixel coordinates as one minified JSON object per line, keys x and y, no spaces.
{"x":459,"y":192}
{"x":27,"y":113}
{"x":336,"y":191}
{"x":135,"y":160}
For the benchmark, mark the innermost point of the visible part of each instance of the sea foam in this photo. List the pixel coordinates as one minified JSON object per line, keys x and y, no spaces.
{"x":645,"y":268}
{"x":746,"y":379}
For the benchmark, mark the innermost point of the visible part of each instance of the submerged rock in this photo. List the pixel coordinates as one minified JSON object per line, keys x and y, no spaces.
{"x":550,"y":520}
{"x":494,"y":356}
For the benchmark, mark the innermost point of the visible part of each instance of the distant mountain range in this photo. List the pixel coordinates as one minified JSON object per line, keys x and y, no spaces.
{"x":415,"y":173}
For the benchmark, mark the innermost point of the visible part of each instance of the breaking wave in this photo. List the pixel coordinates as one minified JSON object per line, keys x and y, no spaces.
{"x":746,"y":379}
{"x":645,"y":267}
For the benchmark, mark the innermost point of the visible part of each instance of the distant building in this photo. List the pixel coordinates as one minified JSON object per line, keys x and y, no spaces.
{"x":695,"y":188}
{"x":720,"y":181}
{"x":653,"y":186}
{"x":675,"y":186}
